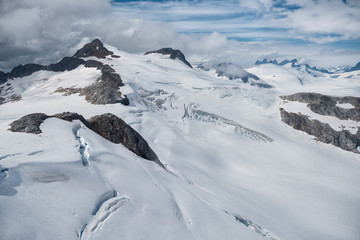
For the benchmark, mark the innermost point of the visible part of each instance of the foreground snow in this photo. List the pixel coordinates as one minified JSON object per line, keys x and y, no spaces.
{"x":222,"y":183}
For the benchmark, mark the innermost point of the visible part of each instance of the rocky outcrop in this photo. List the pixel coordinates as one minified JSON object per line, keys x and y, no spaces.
{"x":3,"y":77}
{"x":107,"y":125}
{"x":25,"y":70}
{"x":65,"y":64}
{"x":95,"y":49}
{"x":174,"y":54}
{"x":29,"y":123}
{"x":105,"y":90}
{"x":116,"y":130}
{"x":322,"y":131}
{"x":326,"y":105}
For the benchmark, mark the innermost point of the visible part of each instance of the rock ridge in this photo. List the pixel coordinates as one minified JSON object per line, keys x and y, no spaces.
{"x":327,"y":106}
{"x":106,"y":125}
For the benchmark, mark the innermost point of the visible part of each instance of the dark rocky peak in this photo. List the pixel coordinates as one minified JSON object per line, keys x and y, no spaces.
{"x":4,"y":77}
{"x":106,"y":125}
{"x":265,"y":61}
{"x":65,"y":64}
{"x":25,"y":70}
{"x":294,"y":64}
{"x":95,"y":49}
{"x":174,"y":54}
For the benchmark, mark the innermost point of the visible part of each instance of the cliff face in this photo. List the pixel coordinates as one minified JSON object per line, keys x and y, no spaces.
{"x":326,"y":106}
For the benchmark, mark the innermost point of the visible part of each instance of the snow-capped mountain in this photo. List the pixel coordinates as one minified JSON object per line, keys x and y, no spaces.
{"x":111,"y":145}
{"x":231,"y":72}
{"x":294,"y":64}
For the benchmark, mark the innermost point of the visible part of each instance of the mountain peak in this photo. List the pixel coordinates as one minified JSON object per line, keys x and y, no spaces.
{"x":174,"y":54}
{"x":94,"y":48}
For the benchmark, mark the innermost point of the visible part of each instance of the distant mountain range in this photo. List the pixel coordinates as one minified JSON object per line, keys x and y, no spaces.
{"x":295,"y":64}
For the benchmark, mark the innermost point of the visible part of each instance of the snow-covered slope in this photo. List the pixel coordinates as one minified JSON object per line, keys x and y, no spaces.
{"x":234,"y":169}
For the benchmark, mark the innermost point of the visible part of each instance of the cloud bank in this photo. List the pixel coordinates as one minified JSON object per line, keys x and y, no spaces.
{"x":44,"y":31}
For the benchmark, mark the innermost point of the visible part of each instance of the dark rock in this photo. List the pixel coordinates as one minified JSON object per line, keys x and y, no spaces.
{"x":93,"y":64}
{"x":105,"y":90}
{"x":326,"y":105}
{"x":174,"y":54}
{"x":4,"y":77}
{"x":265,"y":61}
{"x":94,"y":48}
{"x":116,"y":130}
{"x":29,"y":123}
{"x":25,"y":70}
{"x":70,"y":116}
{"x":322,"y":131}
{"x":65,"y":64}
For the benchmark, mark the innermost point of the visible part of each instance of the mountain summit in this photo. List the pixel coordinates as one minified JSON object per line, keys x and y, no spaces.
{"x":95,"y":48}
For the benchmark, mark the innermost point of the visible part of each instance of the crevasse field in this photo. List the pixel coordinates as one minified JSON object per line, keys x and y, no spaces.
{"x":235,"y":170}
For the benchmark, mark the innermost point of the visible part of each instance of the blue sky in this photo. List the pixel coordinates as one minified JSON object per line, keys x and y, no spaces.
{"x":319,"y":32}
{"x":324,"y":22}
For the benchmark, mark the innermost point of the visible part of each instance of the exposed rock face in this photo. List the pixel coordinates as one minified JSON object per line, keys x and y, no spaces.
{"x":25,"y":70}
{"x":107,"y":125}
{"x":116,"y":130}
{"x":106,"y":88}
{"x":65,"y":64}
{"x":326,"y":105}
{"x":94,"y":48}
{"x":70,"y":116}
{"x":322,"y":131}
{"x":174,"y":54}
{"x":29,"y":123}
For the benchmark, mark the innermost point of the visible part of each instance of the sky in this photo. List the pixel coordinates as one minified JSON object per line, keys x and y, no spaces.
{"x":324,"y":33}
